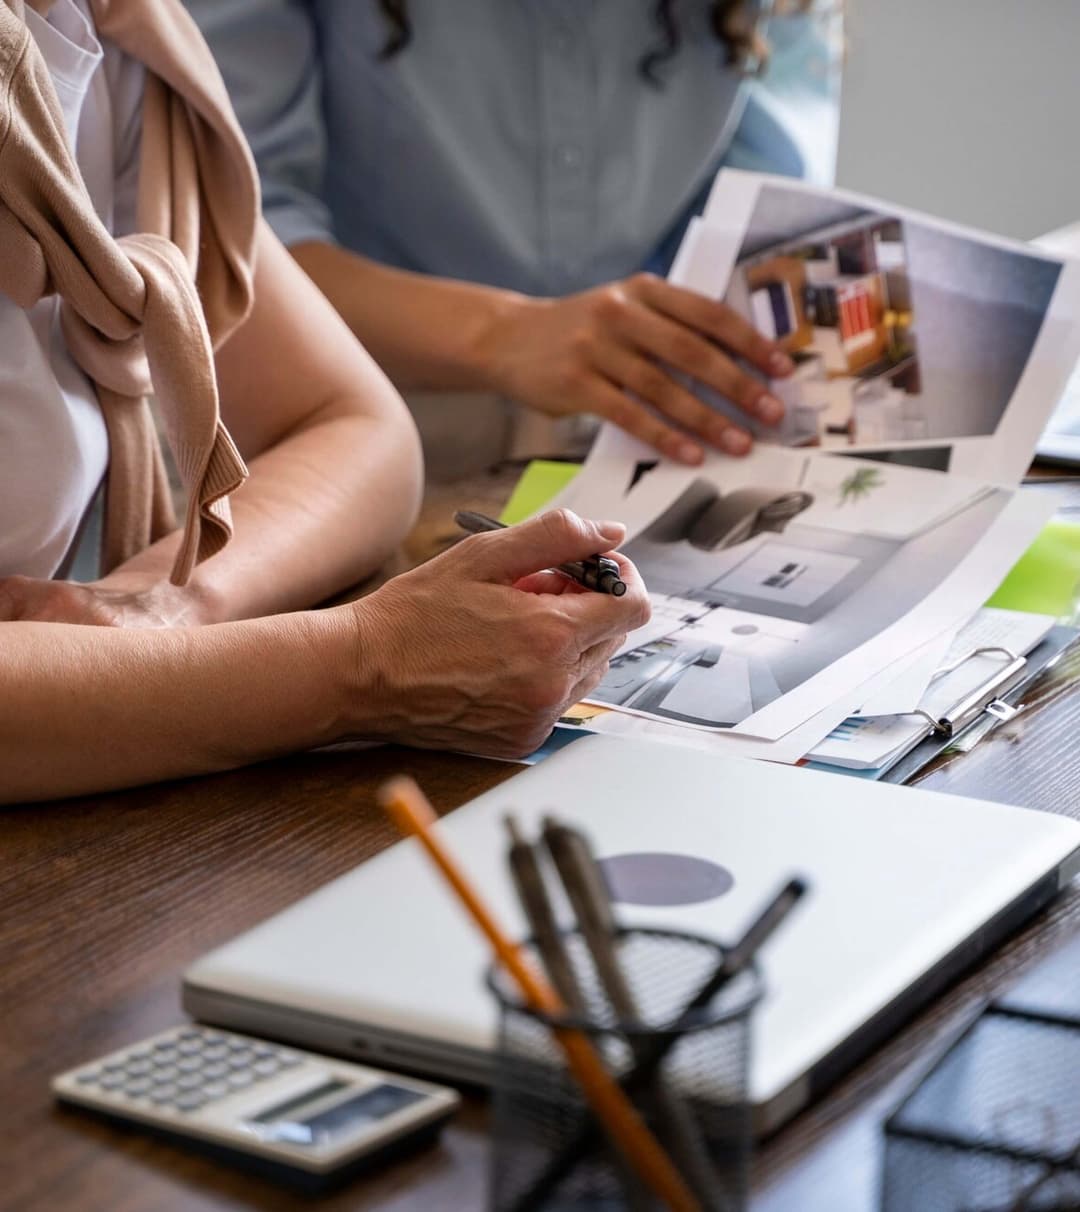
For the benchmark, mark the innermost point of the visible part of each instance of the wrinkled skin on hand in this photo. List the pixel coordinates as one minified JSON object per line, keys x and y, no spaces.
{"x":484,"y":647}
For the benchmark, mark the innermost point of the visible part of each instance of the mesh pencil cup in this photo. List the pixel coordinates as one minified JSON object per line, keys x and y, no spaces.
{"x":549,"y":1154}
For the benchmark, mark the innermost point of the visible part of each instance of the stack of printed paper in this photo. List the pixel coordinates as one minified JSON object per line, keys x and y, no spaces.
{"x":828,"y":574}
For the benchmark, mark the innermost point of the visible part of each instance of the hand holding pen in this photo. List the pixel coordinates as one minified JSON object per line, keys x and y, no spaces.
{"x":596,"y":572}
{"x":506,"y":644}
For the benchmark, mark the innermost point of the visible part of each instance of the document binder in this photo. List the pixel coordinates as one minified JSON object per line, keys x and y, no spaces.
{"x":986,"y":698}
{"x":999,"y":699}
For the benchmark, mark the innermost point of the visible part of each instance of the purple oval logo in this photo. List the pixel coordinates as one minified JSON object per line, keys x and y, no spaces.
{"x":655,"y":878}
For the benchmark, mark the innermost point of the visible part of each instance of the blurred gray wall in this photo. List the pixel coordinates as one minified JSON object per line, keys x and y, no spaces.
{"x":968,"y":109}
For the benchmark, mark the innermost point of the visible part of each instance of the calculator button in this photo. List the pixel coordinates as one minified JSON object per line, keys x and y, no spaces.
{"x":113,"y":1066}
{"x":87,"y":1078}
{"x":213,"y":1037}
{"x":189,"y":1081}
{"x":189,"y":1064}
{"x":188,"y":1033}
{"x":287,"y":1059}
{"x":214,"y":1072}
{"x":262,"y":1050}
{"x":190,"y":1101}
{"x":140,"y":1055}
{"x":189,"y":1047}
{"x":267,"y":1067}
{"x":241,"y":1060}
{"x":137,"y":1088}
{"x":239,"y":1044}
{"x":237,"y":1081}
{"x":165,"y":1073}
{"x":112,"y":1081}
{"x":163,"y":1094}
{"x":216,"y":1052}
{"x":137,"y":1068}
{"x":164,"y":1053}
{"x":215,"y":1090}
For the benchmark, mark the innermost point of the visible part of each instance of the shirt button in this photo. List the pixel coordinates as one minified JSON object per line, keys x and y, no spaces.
{"x":569,"y":156}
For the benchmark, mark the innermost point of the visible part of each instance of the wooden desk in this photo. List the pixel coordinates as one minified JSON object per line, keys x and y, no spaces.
{"x":105,"y":901}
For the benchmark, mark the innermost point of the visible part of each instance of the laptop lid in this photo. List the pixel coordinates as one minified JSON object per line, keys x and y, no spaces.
{"x":906,"y":887}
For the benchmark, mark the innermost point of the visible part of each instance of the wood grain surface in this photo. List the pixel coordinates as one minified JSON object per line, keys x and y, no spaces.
{"x":104,"y":901}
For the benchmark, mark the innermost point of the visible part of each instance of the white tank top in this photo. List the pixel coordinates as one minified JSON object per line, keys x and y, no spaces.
{"x":53,"y":448}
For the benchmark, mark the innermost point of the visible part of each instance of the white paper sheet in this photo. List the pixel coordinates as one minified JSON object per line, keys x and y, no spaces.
{"x":903,"y":694}
{"x":986,"y":330}
{"x":867,"y":744}
{"x":976,"y":537}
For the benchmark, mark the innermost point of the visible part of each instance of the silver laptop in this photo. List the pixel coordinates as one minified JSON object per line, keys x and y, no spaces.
{"x":907,"y":888}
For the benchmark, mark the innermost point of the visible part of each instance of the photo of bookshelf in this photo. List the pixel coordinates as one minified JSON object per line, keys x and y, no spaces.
{"x":839,"y":302}
{"x":903,"y":335}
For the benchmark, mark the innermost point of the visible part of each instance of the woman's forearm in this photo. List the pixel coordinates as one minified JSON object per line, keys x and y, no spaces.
{"x":320,"y":511}
{"x":336,"y":473}
{"x":425,"y":332}
{"x":92,"y":708}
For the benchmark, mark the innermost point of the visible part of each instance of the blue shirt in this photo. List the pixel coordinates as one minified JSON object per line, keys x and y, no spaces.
{"x":512,"y":142}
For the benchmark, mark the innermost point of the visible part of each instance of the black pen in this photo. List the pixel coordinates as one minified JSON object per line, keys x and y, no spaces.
{"x":597,"y":572}
{"x":736,"y":960}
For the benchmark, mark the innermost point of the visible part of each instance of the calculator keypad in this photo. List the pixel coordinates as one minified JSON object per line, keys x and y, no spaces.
{"x":189,"y":1069}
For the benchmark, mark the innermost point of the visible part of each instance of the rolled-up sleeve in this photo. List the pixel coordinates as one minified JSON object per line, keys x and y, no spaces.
{"x":267,"y":51}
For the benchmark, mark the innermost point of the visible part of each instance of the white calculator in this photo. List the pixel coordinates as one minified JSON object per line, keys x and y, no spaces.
{"x":309,"y":1119}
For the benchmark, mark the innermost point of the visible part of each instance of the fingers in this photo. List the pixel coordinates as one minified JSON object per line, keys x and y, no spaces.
{"x":549,"y":581}
{"x":552,"y":538}
{"x":599,"y":616}
{"x":672,"y":343}
{"x":667,"y":399}
{"x":609,"y":401}
{"x":717,"y":321}
{"x":594,"y":667}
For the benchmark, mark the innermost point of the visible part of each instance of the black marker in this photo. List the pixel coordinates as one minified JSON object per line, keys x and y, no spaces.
{"x":597,"y":572}
{"x":737,"y":959}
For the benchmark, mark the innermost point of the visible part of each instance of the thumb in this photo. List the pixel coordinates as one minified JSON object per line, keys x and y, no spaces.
{"x":542,"y":542}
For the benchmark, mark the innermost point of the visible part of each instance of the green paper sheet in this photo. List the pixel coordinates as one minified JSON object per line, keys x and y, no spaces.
{"x":1046,"y":578}
{"x":540,"y":482}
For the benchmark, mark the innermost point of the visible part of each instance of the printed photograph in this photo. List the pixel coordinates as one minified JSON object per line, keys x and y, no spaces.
{"x":758,"y":587}
{"x":901,"y":332}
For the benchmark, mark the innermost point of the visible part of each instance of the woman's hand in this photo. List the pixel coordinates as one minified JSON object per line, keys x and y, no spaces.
{"x":481,"y":649}
{"x":119,"y":600}
{"x":611,"y":351}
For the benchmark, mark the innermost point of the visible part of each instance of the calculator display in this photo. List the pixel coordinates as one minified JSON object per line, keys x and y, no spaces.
{"x":287,"y":1122}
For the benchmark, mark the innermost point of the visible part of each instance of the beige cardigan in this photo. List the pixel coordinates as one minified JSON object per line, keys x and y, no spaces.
{"x":142,"y":313}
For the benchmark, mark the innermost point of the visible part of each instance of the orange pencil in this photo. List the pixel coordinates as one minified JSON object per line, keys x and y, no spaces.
{"x":412,"y":813}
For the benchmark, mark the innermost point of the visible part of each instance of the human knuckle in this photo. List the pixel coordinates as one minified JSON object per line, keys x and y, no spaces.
{"x":562,"y":523}
{"x":641,"y":282}
{"x":582,"y":349}
{"x":609,"y":304}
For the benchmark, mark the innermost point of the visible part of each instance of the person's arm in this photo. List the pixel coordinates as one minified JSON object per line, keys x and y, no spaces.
{"x":335,"y":476}
{"x":605,"y":351}
{"x":472,"y":651}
